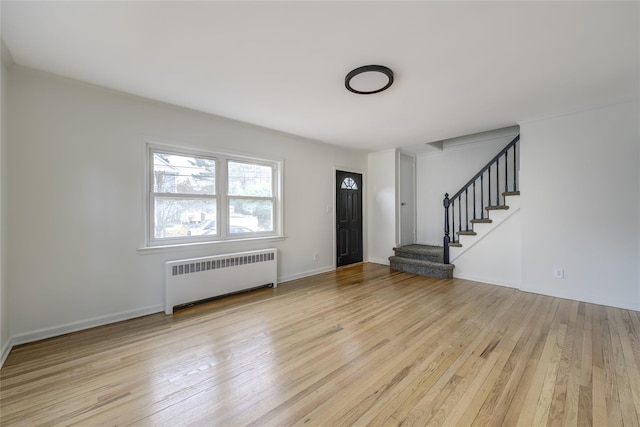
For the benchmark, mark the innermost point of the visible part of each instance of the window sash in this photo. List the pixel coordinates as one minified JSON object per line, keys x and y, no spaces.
{"x":181,"y":220}
{"x":237,"y":192}
{"x":201,"y":180}
{"x":259,"y":220}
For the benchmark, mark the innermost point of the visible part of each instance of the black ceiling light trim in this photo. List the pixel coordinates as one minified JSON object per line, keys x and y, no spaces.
{"x":367,"y":69}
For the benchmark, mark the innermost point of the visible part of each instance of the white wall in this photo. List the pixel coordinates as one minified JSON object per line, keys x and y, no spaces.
{"x":447,"y":171}
{"x":580,"y":179}
{"x":75,"y":197}
{"x":495,"y":258}
{"x":5,"y":336}
{"x":381,"y":205}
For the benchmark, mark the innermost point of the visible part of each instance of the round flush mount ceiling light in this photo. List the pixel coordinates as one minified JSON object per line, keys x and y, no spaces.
{"x":369,"y":79}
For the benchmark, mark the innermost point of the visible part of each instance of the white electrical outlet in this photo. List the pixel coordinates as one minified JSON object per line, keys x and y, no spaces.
{"x":558,"y":273}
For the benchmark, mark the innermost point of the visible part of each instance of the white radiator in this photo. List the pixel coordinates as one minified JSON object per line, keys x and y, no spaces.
{"x":190,"y":280}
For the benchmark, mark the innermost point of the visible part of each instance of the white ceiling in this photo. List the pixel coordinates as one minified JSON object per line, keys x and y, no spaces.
{"x":460,"y":67}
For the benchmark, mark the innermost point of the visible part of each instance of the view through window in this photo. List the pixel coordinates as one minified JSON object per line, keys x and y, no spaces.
{"x":195,"y":197}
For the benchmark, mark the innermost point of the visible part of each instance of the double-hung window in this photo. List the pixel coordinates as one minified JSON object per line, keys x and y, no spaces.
{"x":250,"y":192}
{"x":183,"y":195}
{"x":198,"y":197}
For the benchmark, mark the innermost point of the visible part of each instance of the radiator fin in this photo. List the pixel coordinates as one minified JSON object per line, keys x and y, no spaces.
{"x":236,"y":261}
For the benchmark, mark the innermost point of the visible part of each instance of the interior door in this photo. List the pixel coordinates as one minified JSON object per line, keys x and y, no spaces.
{"x":348,"y":218}
{"x":407,"y":200}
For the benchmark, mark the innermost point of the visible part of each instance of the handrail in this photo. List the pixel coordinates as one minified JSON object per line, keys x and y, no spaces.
{"x":487,"y":166}
{"x":457,"y":199}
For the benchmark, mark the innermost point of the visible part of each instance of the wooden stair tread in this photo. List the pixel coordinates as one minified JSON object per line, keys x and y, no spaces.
{"x":497,"y":207}
{"x":481,"y":221}
{"x":466,"y":233}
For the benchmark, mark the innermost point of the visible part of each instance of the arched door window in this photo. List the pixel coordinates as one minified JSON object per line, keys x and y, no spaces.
{"x":349,"y":184}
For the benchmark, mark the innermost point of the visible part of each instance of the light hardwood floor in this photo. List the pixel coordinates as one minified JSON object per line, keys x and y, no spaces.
{"x":360,"y":346}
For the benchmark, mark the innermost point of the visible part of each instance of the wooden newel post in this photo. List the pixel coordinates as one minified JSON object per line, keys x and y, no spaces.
{"x":445,"y":242}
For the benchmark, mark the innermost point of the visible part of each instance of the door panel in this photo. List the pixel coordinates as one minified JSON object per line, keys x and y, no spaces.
{"x":348,"y":218}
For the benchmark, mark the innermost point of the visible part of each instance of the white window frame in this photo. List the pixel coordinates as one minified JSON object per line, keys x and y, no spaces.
{"x":221,"y":197}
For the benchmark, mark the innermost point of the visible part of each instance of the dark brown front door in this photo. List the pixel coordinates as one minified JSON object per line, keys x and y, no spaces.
{"x":348,"y":217}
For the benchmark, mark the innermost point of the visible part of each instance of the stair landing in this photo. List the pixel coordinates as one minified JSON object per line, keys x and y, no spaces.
{"x":423,"y":260}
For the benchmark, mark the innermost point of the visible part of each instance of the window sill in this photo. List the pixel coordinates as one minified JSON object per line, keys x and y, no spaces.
{"x":149,"y":250}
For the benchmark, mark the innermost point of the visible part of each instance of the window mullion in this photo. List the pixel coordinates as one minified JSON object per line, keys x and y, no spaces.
{"x":223,"y":189}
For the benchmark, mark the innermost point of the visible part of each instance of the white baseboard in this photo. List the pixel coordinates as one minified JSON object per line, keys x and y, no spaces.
{"x":624,"y":305}
{"x":308,"y":273}
{"x":6,"y":349}
{"x":45,"y":333}
{"x":54,"y":331}
{"x":378,"y":261}
{"x":83,"y":324}
{"x":487,"y":280}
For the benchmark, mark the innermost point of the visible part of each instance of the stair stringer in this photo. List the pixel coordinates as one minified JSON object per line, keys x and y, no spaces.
{"x":496,"y":258}
{"x":483,"y":229}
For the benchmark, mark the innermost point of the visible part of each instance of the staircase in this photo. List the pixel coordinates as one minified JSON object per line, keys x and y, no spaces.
{"x":465,"y":211}
{"x":481,"y":227}
{"x":421,"y":259}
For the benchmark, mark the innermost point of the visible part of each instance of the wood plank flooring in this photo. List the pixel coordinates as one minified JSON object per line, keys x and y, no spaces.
{"x":360,"y":346}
